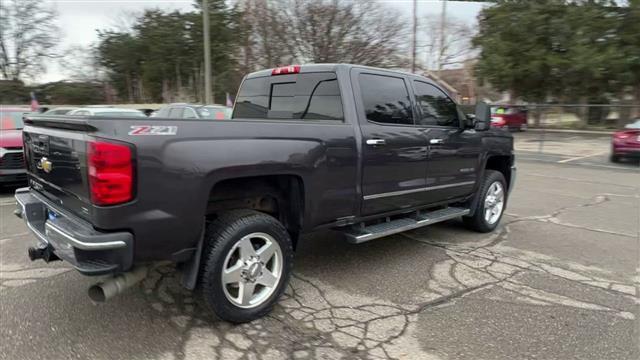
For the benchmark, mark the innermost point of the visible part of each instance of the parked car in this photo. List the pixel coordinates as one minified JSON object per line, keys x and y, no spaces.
{"x":364,"y":151}
{"x":12,"y":169}
{"x":626,"y":143}
{"x":195,"y":111}
{"x":513,"y":118}
{"x":59,"y":110}
{"x":108,"y":112}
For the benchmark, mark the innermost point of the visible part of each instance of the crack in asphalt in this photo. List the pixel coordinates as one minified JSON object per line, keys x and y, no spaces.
{"x":314,"y":319}
{"x":311,"y":321}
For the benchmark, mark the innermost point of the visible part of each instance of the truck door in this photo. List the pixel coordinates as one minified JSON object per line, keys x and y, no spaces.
{"x":454,"y":152}
{"x":394,"y":149}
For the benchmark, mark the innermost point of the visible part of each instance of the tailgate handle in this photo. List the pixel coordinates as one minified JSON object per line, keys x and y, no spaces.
{"x":376,"y":142}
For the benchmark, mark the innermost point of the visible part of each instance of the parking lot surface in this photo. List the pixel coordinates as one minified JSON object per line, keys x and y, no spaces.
{"x":558,"y":280}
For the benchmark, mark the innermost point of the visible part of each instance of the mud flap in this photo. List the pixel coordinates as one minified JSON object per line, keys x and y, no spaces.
{"x":191,"y":268}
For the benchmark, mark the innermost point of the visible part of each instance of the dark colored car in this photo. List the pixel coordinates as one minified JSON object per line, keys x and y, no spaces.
{"x":513,"y":118}
{"x":194,"y":111}
{"x":364,"y":151}
{"x":12,"y":167}
{"x":626,"y":143}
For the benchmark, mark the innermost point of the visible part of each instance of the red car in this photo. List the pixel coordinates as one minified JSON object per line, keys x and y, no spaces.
{"x":626,"y":143}
{"x":12,"y":168}
{"x":509,"y":117}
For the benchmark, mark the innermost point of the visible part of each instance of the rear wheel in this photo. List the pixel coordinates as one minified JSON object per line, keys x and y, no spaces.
{"x":614,"y":158}
{"x":490,"y":207}
{"x":246,"y":265}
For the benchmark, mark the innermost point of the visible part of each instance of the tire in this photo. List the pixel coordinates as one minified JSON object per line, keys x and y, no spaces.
{"x":614,"y":158}
{"x":479,"y":221}
{"x":236,"y":243}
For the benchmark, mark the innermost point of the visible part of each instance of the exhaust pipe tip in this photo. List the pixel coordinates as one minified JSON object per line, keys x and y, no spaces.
{"x":96,"y":293}
{"x":109,"y":288}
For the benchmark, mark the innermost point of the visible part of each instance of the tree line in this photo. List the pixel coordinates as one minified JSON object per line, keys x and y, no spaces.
{"x":562,"y":51}
{"x":160,"y":59}
{"x":565,"y":51}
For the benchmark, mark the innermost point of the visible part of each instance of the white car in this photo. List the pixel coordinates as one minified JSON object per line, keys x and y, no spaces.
{"x":107,"y":111}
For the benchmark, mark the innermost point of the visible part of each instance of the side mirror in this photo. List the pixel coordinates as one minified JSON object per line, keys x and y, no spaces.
{"x":482,"y":117}
{"x":469,"y":121}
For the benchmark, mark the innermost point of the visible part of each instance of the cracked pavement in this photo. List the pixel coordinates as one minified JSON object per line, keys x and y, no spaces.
{"x":558,"y":280}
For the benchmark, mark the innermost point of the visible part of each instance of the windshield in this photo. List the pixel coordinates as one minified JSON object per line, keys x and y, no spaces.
{"x":214,"y":113}
{"x":121,"y":114}
{"x":633,"y":125}
{"x":10,"y":120}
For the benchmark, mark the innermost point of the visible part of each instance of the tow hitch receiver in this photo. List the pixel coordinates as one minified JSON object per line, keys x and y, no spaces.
{"x":45,"y":253}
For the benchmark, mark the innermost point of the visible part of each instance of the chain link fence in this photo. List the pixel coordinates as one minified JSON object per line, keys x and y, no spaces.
{"x":580,"y":116}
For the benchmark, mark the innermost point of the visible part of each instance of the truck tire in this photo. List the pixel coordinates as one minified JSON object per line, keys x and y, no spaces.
{"x":489,"y":208}
{"x":246,"y":265}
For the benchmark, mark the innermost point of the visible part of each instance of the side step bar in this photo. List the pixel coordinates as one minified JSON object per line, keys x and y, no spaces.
{"x":357,"y":235}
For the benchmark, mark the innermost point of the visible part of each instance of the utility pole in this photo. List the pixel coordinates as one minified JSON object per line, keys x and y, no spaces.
{"x":443,"y":19}
{"x":414,"y":40}
{"x":207,"y":53}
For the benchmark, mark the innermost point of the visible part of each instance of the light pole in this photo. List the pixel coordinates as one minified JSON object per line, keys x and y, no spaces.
{"x":443,"y":19}
{"x":207,"y":53}
{"x":414,"y":39}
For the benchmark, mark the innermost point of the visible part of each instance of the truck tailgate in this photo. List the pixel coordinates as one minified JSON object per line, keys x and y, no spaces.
{"x":55,"y":157}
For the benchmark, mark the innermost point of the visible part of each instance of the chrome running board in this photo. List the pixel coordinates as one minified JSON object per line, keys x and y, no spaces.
{"x":359,"y":234}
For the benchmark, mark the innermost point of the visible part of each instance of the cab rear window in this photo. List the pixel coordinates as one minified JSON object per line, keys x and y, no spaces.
{"x":310,"y":96}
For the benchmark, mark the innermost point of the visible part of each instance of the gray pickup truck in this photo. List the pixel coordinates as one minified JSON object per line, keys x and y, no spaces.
{"x":365,"y":151}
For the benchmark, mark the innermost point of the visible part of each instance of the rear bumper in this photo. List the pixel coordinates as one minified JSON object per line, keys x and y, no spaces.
{"x":72,"y":239}
{"x":13,"y":175}
{"x":626,"y":151}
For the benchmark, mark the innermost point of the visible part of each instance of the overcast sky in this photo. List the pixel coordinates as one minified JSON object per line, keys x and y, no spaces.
{"x":79,"y":19}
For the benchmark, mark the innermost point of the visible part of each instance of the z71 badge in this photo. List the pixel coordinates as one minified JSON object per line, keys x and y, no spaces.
{"x":153,"y":130}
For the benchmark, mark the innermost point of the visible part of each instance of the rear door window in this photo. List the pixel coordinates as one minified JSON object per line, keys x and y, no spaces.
{"x":175,"y":112}
{"x":310,"y":96}
{"x":385,"y":99}
{"x":189,"y":114}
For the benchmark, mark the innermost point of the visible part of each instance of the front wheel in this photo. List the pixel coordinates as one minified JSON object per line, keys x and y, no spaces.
{"x":490,"y":207}
{"x":246,"y":265}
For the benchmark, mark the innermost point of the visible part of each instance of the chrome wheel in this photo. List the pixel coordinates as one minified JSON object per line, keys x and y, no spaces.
{"x":494,"y":203}
{"x":252,"y":270}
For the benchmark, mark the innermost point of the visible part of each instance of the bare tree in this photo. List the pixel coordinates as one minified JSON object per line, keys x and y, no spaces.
{"x":81,"y":63}
{"x":28,"y":35}
{"x":326,"y":31}
{"x":447,"y":44}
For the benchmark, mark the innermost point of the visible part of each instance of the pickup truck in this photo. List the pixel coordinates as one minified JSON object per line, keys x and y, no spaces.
{"x":364,"y":151}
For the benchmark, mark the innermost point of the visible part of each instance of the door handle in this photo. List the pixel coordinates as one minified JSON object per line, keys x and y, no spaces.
{"x":376,"y":142}
{"x":436,"y":141}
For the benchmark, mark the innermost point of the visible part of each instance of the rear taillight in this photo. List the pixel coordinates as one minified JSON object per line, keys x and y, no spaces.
{"x":497,"y":121}
{"x":622,"y":135}
{"x":110,"y":172}
{"x":291,"y":69}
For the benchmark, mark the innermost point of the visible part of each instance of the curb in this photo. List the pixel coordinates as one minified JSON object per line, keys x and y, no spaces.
{"x":592,"y":132}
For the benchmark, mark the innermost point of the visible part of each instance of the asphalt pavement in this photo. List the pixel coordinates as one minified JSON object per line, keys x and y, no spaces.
{"x":558,"y":280}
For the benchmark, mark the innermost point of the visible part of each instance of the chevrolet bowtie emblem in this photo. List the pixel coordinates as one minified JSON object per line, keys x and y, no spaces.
{"x":45,"y":164}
